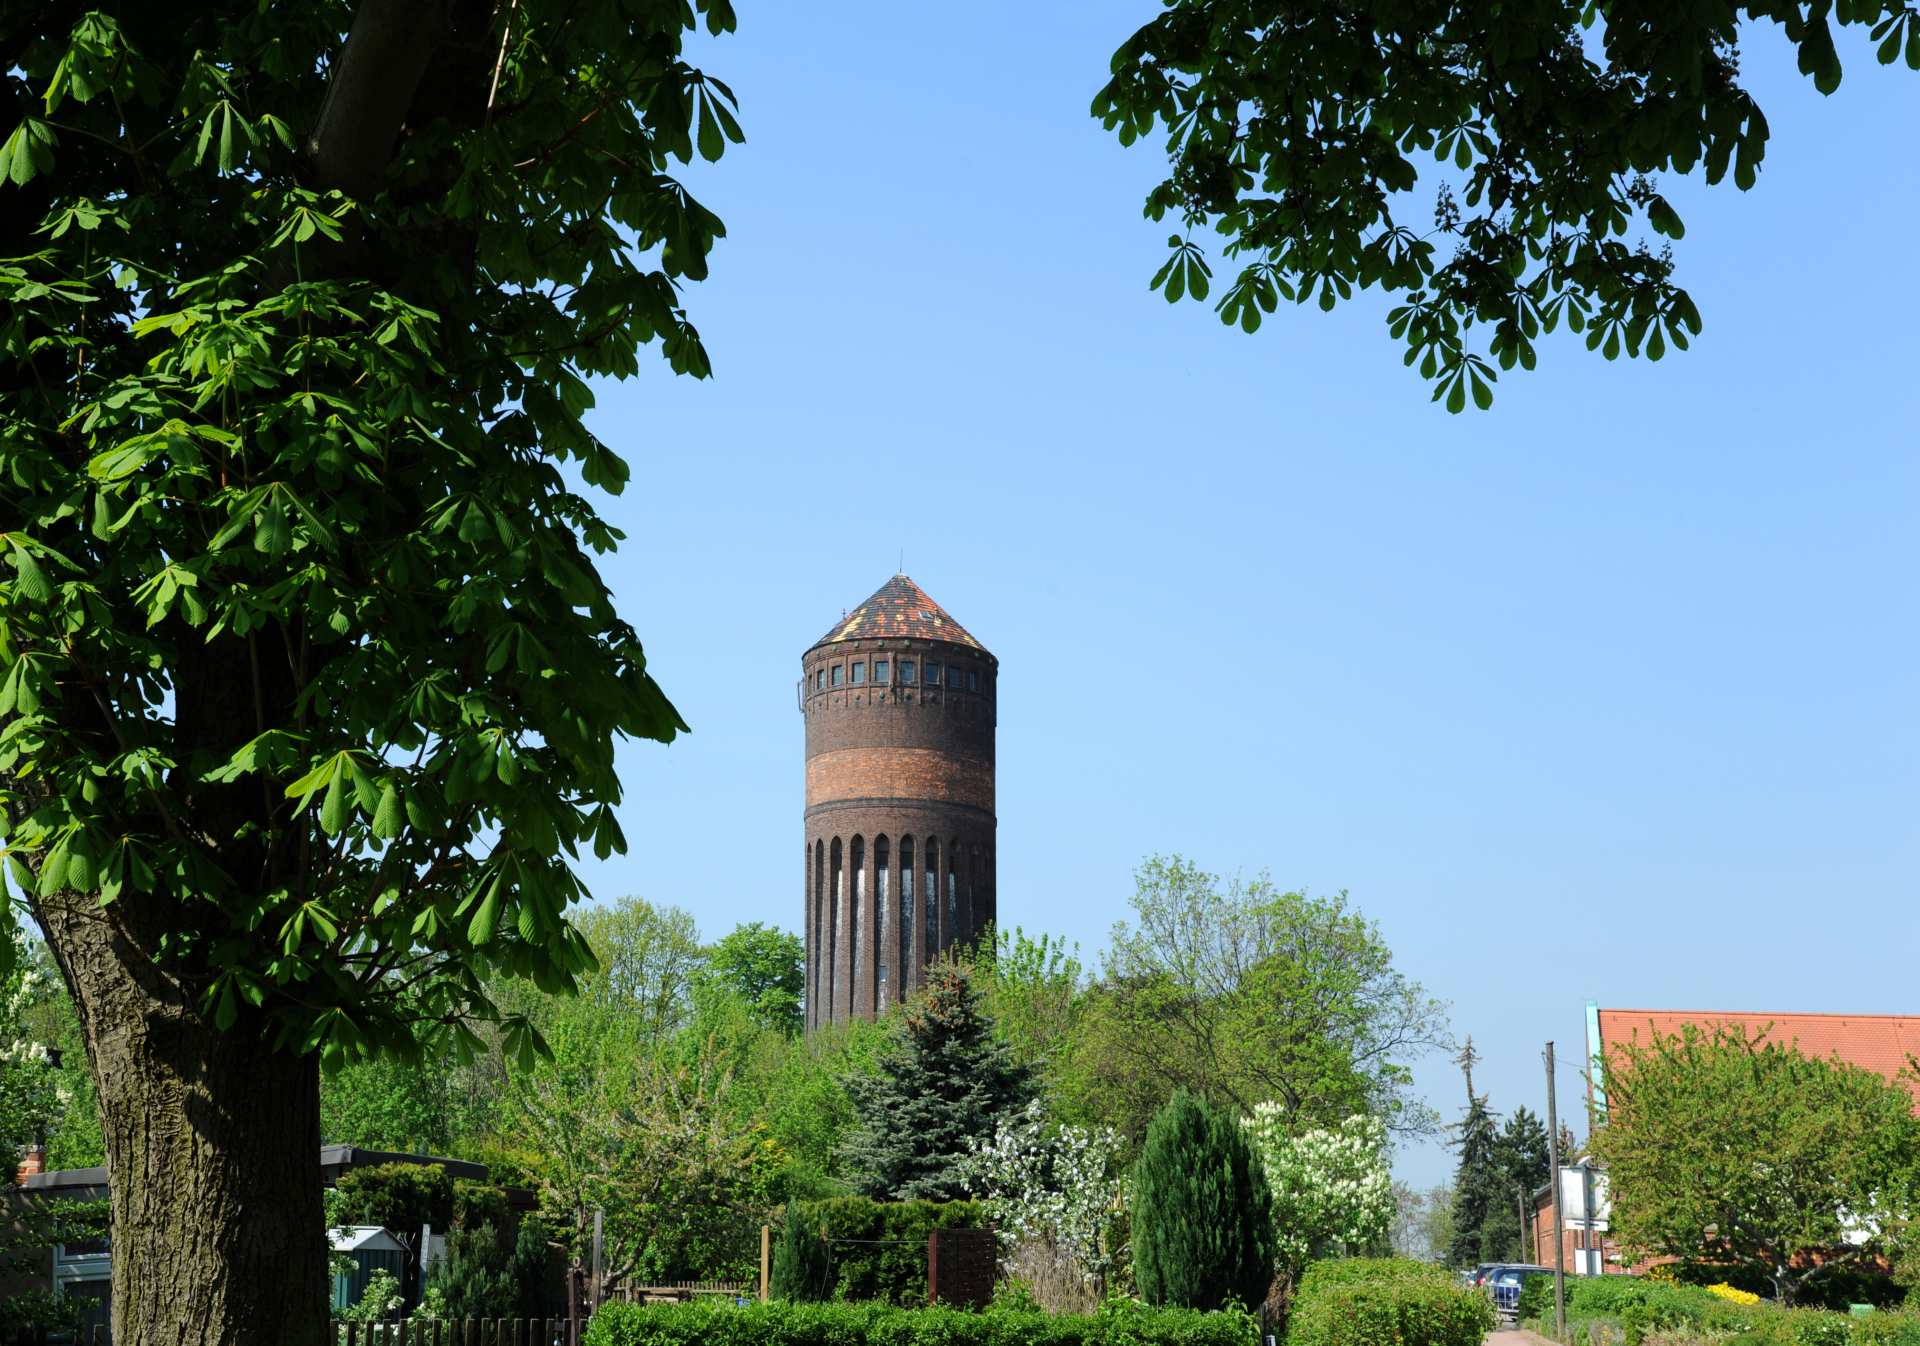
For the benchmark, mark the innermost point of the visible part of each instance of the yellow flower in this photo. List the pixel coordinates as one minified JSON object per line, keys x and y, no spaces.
{"x":1726,"y":1291}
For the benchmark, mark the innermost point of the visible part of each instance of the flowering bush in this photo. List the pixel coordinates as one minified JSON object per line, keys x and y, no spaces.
{"x":1733,"y":1293}
{"x":1332,"y":1189}
{"x":1058,"y":1184}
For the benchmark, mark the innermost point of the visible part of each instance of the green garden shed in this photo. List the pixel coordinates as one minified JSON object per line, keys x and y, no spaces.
{"x":368,"y":1249}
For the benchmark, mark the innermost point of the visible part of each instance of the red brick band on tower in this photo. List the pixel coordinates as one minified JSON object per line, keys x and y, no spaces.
{"x":899,"y":863}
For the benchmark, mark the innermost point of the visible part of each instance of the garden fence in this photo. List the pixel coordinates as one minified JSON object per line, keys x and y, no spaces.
{"x":462,"y":1332}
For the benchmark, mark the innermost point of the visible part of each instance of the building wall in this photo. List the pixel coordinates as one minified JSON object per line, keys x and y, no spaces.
{"x":895,"y":773}
{"x":1579,"y":1241}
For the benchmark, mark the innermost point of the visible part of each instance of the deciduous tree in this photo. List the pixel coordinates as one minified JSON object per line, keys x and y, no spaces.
{"x":309,"y":689}
{"x":1245,"y":994}
{"x":766,"y":967}
{"x":1735,"y":1149}
{"x":1298,"y":134}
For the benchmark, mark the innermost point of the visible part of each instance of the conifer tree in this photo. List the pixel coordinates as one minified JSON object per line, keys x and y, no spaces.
{"x":1524,"y":1156}
{"x":1500,"y":1167}
{"x":1481,"y":1190}
{"x":943,"y":1080}
{"x":1202,"y":1215}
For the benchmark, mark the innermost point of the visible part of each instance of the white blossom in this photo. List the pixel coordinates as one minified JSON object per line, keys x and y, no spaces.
{"x":1332,"y":1189}
{"x":1061,"y":1184}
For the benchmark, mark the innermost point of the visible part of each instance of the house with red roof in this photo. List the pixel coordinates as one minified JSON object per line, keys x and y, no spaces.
{"x":1882,"y":1043}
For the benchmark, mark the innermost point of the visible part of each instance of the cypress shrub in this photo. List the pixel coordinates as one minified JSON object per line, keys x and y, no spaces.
{"x":1202,"y":1214}
{"x":799,"y":1272}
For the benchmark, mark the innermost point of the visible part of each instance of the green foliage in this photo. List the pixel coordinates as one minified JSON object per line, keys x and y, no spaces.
{"x":388,"y":1104}
{"x":1117,"y":1323}
{"x":1242,"y":993}
{"x":765,"y":967}
{"x":33,"y":1225}
{"x":801,"y":1270}
{"x":1202,"y":1215}
{"x":1486,"y":1221}
{"x":1632,"y":1309}
{"x":798,"y":1086}
{"x":1036,"y":994}
{"x":874,"y":1250}
{"x":634,"y":1112}
{"x":1729,"y":1150}
{"x":1295,"y":132}
{"x":380,"y":1302}
{"x":533,"y":1270}
{"x":943,"y":1080}
{"x":474,"y":1277}
{"x":397,"y":1197}
{"x":306,"y":672}
{"x":1385,"y":1302}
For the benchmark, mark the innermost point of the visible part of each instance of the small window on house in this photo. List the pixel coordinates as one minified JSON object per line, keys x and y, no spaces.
{"x":973,"y":680}
{"x":836,"y":675}
{"x":933,"y":674}
{"x":819,"y":678}
{"x":860,"y":671}
{"x":953,"y":676}
{"x":879,"y":670}
{"x":906,"y":670}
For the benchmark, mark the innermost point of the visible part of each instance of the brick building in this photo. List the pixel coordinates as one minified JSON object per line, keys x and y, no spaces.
{"x":1882,"y":1043}
{"x":899,"y":706}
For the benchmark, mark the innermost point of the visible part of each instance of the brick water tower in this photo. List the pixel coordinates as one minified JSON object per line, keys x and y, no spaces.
{"x":899,"y":705}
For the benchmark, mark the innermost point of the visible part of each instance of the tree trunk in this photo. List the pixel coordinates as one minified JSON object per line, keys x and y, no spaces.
{"x":213,"y":1150}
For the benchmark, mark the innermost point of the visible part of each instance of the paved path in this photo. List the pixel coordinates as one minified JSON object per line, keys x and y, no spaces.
{"x":1513,"y":1336}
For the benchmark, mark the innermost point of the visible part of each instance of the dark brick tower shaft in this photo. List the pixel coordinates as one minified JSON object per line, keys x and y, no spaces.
{"x":899,"y":705}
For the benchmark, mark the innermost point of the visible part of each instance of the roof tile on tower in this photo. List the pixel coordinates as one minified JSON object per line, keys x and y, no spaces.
{"x":900,"y":608}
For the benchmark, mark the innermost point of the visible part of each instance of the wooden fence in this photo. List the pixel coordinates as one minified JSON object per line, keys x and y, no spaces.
{"x":679,"y":1292}
{"x":462,"y":1332}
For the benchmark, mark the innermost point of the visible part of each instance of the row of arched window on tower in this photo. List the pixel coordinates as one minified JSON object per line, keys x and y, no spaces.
{"x":868,"y":953}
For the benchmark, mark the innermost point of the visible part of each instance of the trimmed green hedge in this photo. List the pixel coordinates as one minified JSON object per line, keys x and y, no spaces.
{"x":1383,"y":1301}
{"x":876,"y":1250}
{"x":1628,"y":1309}
{"x":1119,"y":1323}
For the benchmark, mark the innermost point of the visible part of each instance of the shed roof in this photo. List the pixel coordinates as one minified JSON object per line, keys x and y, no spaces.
{"x":364,"y":1238}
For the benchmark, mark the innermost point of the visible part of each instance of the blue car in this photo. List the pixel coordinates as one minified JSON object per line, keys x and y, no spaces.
{"x":1505,"y":1281}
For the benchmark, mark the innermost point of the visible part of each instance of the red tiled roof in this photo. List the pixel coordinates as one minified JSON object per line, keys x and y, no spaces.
{"x":1881,"y":1043}
{"x":900,"y":608}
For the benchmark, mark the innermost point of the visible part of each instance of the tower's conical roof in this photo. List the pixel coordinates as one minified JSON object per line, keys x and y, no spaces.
{"x":900,"y":608}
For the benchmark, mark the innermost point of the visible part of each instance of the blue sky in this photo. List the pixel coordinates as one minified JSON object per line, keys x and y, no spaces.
{"x":1607,"y":693}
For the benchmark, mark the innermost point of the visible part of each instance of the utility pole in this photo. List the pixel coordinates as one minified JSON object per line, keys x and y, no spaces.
{"x":1559,"y":1214}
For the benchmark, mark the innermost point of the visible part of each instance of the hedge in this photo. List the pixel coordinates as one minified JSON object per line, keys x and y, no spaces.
{"x":877,"y":1250}
{"x":1381,"y":1301}
{"x":1119,"y":1323}
{"x":1628,"y":1309}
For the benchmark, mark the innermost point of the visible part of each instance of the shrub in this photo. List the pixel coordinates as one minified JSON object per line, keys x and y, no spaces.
{"x":398,"y":1197}
{"x":1367,"y":1301}
{"x":875,"y":1250}
{"x":799,"y":1272}
{"x":1118,"y":1323}
{"x":1202,"y":1214}
{"x":1641,"y":1311}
